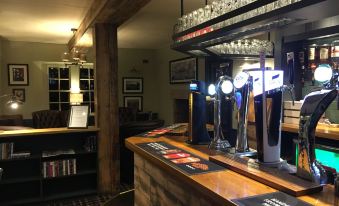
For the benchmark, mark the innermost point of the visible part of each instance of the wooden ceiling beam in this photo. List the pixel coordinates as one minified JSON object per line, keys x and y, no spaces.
{"x":107,"y":11}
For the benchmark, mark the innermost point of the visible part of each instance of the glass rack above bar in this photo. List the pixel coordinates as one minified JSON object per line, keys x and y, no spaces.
{"x":238,"y":22}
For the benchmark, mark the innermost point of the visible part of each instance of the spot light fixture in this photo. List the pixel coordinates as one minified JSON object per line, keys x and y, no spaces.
{"x":74,"y":58}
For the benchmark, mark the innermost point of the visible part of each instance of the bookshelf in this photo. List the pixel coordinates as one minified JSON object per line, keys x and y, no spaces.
{"x":74,"y":170}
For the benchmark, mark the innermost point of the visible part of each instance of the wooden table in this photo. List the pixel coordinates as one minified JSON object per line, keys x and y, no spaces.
{"x":222,"y":186}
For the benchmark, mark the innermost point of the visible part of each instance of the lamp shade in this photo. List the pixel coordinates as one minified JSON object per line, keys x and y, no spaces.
{"x":75,"y":98}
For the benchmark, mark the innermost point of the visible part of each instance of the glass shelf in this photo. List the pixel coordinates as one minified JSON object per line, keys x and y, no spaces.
{"x":213,"y":32}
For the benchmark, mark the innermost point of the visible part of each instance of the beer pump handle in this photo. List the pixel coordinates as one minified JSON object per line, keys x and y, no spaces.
{"x":290,"y":90}
{"x":290,"y":67}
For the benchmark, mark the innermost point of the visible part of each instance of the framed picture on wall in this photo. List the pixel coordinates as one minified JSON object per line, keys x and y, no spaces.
{"x":18,"y":74}
{"x":132,"y":85}
{"x":19,"y":94}
{"x":133,"y":101}
{"x":183,"y":70}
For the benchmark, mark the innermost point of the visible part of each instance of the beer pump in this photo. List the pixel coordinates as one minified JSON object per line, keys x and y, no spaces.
{"x":314,"y":105}
{"x":242,"y":85}
{"x":268,"y":90}
{"x":197,"y":131}
{"x":223,"y":87}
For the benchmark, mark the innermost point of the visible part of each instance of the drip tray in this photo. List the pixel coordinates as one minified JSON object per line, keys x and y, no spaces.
{"x":282,"y":177}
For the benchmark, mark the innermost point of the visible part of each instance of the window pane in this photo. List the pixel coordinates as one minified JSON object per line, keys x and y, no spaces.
{"x":84,"y":85}
{"x":64,"y":84}
{"x":53,"y":96}
{"x":54,"y":106}
{"x":92,"y":108}
{"x":65,"y":106}
{"x":91,"y":73}
{"x":64,"y":96}
{"x":64,"y":73}
{"x":86,"y":96}
{"x":53,"y":72}
{"x":91,"y":85}
{"x":84,"y":73}
{"x":53,"y":85}
{"x":92,"y":96}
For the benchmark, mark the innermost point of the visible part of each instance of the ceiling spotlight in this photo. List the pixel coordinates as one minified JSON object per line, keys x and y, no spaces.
{"x":65,"y":57}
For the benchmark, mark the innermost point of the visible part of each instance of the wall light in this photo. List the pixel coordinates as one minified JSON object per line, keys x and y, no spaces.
{"x":13,"y":101}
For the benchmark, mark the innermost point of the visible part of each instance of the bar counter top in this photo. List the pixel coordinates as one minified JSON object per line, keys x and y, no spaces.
{"x":14,"y":131}
{"x":323,"y":131}
{"x":221,"y":186}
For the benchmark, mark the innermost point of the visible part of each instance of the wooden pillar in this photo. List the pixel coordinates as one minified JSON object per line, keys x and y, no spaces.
{"x":106,"y":68}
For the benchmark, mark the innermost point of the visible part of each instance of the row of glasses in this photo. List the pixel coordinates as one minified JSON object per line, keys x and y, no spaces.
{"x":243,"y":47}
{"x":219,"y":7}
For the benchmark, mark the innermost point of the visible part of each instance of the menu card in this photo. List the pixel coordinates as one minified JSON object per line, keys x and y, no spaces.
{"x":271,"y":199}
{"x":179,"y":158}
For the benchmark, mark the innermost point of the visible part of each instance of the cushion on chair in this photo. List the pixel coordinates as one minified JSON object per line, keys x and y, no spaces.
{"x":46,"y":119}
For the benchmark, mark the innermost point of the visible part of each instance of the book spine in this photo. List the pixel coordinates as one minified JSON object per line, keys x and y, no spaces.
{"x":68,"y":170}
{"x":1,"y":157}
{"x":60,"y":167}
{"x":56,"y":168}
{"x":53,"y":169}
{"x":74,"y":166}
{"x":4,"y":151}
{"x":64,"y":167}
{"x":49,"y":169}
{"x":44,"y":169}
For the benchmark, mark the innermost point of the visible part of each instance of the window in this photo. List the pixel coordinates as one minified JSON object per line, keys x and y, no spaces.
{"x":86,"y":83}
{"x":59,"y":84}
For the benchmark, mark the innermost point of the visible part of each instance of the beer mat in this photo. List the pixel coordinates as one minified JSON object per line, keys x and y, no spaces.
{"x":185,"y":161}
{"x":169,"y":130}
{"x":155,"y":133}
{"x":270,"y":199}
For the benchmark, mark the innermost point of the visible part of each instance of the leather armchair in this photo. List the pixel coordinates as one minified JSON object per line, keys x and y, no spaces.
{"x":49,"y":119}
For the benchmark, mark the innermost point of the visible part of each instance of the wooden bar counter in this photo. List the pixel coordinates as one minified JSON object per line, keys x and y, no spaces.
{"x":322,"y":131}
{"x":159,"y":183}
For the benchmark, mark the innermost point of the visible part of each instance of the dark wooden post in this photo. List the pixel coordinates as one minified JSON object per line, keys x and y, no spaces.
{"x":106,"y":75}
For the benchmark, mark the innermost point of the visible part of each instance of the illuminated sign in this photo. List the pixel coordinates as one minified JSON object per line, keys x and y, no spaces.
{"x":273,"y":80}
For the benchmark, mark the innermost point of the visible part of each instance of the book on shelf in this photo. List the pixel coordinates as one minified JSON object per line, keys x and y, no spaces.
{"x":57,"y":152}
{"x":91,"y":144}
{"x":6,"y":150}
{"x":18,"y":155}
{"x":59,"y":168}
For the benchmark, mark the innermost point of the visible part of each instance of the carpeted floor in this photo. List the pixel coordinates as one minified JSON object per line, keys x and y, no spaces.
{"x":124,"y":198}
{"x":95,"y":200}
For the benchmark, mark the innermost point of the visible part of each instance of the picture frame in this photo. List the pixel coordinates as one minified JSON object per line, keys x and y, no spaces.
{"x":133,"y":101}
{"x":78,"y":117}
{"x":18,"y":75}
{"x":132,"y":85}
{"x":183,"y":70}
{"x":19,"y":94}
